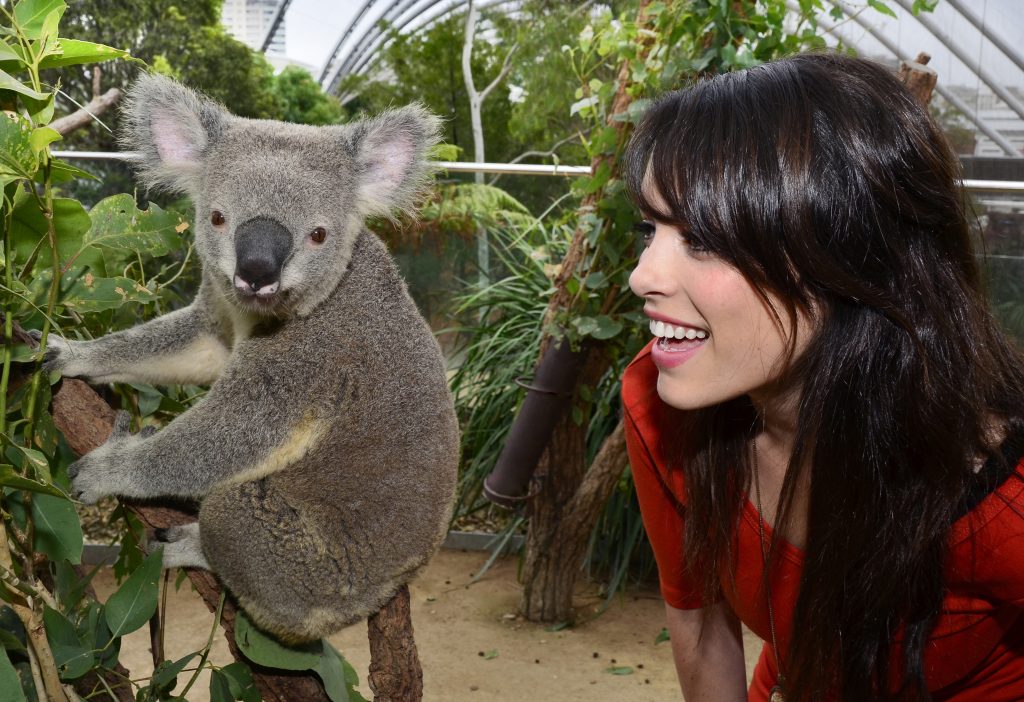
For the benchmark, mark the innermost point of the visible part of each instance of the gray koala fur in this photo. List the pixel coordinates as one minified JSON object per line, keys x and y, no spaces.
{"x":325,"y":452}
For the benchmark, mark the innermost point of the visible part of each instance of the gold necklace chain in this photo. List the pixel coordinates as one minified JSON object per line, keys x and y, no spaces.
{"x":777,"y":693}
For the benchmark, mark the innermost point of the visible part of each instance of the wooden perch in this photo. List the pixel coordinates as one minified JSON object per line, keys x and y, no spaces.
{"x":395,"y":673}
{"x":80,"y":118}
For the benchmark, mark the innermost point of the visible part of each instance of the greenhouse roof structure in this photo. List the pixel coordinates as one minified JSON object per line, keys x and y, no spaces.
{"x":973,"y":44}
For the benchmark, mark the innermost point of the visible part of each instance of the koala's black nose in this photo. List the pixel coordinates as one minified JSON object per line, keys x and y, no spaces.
{"x":261,"y":247}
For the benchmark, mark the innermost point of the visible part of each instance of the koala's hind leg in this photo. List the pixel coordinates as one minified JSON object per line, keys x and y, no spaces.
{"x":269,"y":551}
{"x":183,"y":547}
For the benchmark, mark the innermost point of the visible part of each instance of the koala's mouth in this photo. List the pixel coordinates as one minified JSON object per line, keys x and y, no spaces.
{"x":264,"y":298}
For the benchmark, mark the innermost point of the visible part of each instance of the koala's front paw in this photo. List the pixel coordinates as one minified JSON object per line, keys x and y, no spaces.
{"x":58,"y":352}
{"x":103,"y":471}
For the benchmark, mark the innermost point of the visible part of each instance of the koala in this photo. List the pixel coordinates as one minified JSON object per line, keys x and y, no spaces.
{"x":324,"y":455}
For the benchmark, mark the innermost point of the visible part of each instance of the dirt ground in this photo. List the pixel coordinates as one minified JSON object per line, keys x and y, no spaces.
{"x":470,"y":643}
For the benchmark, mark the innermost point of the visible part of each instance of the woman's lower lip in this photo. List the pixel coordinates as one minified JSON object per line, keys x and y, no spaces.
{"x":664,"y":359}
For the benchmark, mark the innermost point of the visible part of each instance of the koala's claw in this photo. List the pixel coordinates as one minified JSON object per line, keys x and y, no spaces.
{"x":122,"y":425}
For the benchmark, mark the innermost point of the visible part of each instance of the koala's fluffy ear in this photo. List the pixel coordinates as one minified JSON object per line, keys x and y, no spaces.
{"x":391,"y":149}
{"x":171,"y":126}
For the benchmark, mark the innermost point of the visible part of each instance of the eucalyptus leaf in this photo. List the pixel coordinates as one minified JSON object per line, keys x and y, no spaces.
{"x":58,"y":530}
{"x":29,"y":459}
{"x":220,"y":689}
{"x":74,"y":659}
{"x":135,"y":601}
{"x":261,"y":648}
{"x":166,"y":675}
{"x":331,"y":670}
{"x":10,"y":685}
{"x":10,"y":478}
{"x":243,"y":687}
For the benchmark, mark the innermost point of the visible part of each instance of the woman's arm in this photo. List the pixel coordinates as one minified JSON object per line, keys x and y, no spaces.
{"x":709,"y":663}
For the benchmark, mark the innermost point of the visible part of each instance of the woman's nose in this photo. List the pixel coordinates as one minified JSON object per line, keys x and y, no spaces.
{"x":652,"y":275}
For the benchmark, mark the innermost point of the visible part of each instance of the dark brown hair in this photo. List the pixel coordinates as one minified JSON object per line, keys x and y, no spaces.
{"x":823,"y":182}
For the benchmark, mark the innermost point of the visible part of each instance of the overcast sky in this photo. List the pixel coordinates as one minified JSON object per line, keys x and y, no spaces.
{"x":315,"y":26}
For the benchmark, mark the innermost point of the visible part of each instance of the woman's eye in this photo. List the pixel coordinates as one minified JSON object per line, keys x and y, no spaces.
{"x":216,"y":218}
{"x":644,"y":231}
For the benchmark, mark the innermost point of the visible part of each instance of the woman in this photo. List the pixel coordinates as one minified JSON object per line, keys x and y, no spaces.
{"x":826,"y":433}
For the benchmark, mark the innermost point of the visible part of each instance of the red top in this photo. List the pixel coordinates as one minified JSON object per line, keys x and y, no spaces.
{"x":976,"y":651}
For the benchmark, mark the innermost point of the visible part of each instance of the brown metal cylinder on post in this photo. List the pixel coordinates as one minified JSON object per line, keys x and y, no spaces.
{"x":547,"y":398}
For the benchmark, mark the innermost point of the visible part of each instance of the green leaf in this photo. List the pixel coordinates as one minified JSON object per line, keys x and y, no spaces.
{"x":41,"y":137}
{"x":220,"y":689}
{"x":619,"y":670}
{"x":135,"y":601}
{"x":10,"y":685}
{"x":74,"y":52}
{"x":10,"y":642}
{"x":445,"y":152}
{"x":31,"y":14}
{"x":165,"y":677}
{"x":10,"y":478}
{"x":88,"y":293}
{"x":58,"y":531}
{"x":70,"y":220}
{"x":70,"y":586}
{"x":17,"y":159}
{"x":118,"y":224}
{"x":491,"y":655}
{"x":9,"y":82}
{"x":240,"y":680}
{"x":339,"y":678}
{"x":662,"y":636}
{"x":29,"y":460}
{"x":72,"y":657}
{"x":261,"y":648}
{"x":8,"y":54}
{"x":882,"y":7}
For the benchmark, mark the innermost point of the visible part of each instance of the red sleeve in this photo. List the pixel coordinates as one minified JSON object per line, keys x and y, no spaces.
{"x":661,"y":495}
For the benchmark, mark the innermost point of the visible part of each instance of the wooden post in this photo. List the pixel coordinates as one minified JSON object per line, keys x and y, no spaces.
{"x":919,"y":78}
{"x":395,"y":674}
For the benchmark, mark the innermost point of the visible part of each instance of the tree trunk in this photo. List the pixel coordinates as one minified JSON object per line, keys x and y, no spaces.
{"x":86,"y":421}
{"x":564,"y":512}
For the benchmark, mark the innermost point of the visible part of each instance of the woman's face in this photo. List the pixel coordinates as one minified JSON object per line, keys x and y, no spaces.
{"x":717,"y":339}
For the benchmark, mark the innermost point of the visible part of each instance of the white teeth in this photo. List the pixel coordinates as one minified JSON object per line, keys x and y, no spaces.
{"x":670,"y":331}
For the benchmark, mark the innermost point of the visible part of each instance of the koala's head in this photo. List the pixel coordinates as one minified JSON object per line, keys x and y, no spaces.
{"x":278,"y":206}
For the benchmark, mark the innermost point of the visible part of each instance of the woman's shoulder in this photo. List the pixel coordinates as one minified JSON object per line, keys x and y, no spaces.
{"x":987,"y":543}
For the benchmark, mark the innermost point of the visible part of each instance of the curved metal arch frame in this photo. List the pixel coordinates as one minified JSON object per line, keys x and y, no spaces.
{"x":368,"y":57}
{"x":983,"y":126}
{"x":366,"y":50}
{"x":275,"y":24}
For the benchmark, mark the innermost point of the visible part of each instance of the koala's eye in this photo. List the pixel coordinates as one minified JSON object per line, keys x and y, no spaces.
{"x":318,"y":235}
{"x":217,"y":218}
